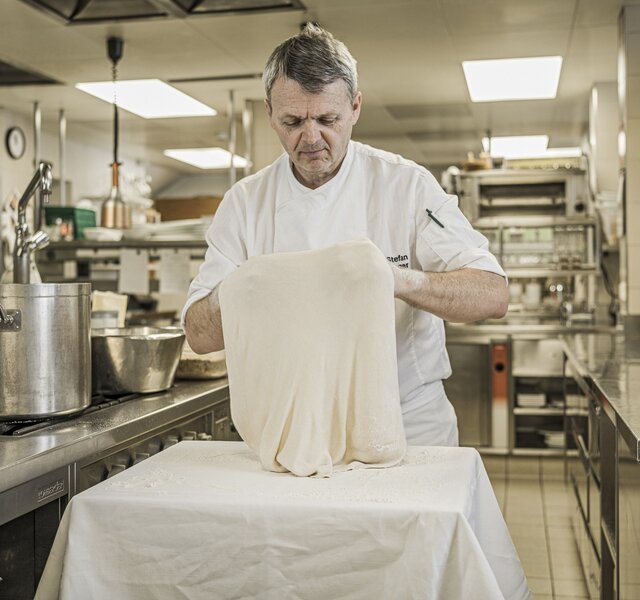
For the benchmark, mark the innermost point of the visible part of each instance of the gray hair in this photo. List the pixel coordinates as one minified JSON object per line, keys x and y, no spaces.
{"x":314,"y":59}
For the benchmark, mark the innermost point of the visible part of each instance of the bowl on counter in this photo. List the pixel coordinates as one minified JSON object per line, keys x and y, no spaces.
{"x":201,"y":366}
{"x":134,"y":359}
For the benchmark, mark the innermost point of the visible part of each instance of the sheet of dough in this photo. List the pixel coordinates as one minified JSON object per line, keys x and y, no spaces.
{"x":311,"y":359}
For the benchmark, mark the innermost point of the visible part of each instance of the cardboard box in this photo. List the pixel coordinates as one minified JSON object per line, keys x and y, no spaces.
{"x":172,"y":209}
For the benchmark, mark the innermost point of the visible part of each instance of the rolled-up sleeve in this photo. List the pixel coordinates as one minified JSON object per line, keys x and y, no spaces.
{"x":226,"y":250}
{"x":450,"y":243}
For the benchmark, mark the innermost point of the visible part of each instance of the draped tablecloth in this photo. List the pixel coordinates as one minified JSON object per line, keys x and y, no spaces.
{"x":204,"y":520}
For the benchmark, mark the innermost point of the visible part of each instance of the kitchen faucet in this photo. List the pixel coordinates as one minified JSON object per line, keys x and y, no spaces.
{"x":25,"y":242}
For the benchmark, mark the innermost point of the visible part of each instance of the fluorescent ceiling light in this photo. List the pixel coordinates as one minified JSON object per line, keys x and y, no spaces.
{"x":526,"y":146}
{"x":513,"y":78}
{"x":148,"y":98}
{"x":207,"y":158}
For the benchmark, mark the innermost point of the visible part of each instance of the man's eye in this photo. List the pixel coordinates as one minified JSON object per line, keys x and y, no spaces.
{"x":327,"y":121}
{"x":292,"y":123}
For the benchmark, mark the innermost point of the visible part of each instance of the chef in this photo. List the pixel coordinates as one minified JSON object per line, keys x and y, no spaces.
{"x":328,"y":189}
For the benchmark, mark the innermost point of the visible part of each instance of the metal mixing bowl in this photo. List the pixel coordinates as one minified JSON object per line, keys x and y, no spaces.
{"x":134,"y":359}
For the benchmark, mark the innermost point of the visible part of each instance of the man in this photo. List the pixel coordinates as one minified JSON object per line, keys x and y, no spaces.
{"x":328,"y":189}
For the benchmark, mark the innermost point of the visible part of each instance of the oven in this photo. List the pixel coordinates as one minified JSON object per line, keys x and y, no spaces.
{"x":134,"y":427}
{"x":518,"y":192}
{"x":214,"y":423}
{"x":29,"y":518}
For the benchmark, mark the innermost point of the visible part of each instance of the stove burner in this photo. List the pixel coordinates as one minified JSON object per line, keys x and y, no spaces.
{"x":26,"y":426}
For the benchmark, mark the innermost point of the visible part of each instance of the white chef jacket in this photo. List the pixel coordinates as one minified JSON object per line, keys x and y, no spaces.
{"x":375,"y":195}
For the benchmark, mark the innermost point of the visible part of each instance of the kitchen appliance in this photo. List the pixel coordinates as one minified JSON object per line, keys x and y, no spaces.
{"x":135,"y":359}
{"x":480,"y":363}
{"x":542,"y":227}
{"x":45,"y":349}
{"x":48,"y":462}
{"x":517,"y":192}
{"x":29,"y":518}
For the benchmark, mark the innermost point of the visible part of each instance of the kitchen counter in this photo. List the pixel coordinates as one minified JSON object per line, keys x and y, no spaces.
{"x":532,"y":330}
{"x":25,"y":457}
{"x":610,"y":365}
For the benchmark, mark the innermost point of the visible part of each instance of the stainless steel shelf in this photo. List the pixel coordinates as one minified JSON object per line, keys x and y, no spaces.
{"x":524,"y":221}
{"x":547,"y":411}
{"x":93,"y":245}
{"x":534,"y":273}
{"x":543,"y":452}
{"x":536,"y":375}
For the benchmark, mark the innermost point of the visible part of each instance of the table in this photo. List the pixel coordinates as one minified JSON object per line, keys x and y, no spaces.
{"x":204,"y":520}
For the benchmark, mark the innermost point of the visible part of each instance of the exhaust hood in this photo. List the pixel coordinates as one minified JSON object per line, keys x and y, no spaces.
{"x":12,"y":75}
{"x":96,"y":11}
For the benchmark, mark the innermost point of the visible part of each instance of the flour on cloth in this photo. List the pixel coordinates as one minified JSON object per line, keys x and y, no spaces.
{"x":311,"y":359}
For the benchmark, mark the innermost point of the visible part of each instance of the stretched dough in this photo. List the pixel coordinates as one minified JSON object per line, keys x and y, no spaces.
{"x":311,"y":359}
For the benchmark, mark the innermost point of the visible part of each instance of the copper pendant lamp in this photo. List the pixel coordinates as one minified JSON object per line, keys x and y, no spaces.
{"x":115,"y":212}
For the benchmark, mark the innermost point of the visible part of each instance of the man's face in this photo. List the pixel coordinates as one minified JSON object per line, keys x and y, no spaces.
{"x":314,"y":129}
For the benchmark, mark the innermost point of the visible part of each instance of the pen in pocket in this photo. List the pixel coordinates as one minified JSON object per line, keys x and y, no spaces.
{"x":433,"y":218}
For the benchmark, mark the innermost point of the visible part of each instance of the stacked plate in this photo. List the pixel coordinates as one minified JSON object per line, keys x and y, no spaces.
{"x":553,"y":439}
{"x":531,"y":400}
{"x":183,"y":229}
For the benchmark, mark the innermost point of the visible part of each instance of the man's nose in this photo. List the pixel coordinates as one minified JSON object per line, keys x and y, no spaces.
{"x":310,"y":131}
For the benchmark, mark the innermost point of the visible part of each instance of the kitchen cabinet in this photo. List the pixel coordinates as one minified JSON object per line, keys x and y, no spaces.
{"x":606,"y":369}
{"x":628,"y":473}
{"x":584,"y":479}
{"x":545,"y":406}
{"x":524,"y":401}
{"x":483,"y":365}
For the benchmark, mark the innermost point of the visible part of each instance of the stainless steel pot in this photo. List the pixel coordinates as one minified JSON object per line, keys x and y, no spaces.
{"x":135,"y":359}
{"x":45,"y":349}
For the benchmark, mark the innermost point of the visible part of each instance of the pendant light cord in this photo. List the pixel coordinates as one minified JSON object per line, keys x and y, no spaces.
{"x":114,"y":76}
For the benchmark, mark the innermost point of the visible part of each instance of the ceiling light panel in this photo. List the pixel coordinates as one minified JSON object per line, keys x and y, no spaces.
{"x":526,"y":146}
{"x":207,"y":158}
{"x":513,"y":78}
{"x":148,"y":98}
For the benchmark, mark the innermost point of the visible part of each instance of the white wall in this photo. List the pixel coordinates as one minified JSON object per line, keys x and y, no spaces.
{"x":630,"y":89}
{"x":603,"y":136}
{"x":87,"y":160}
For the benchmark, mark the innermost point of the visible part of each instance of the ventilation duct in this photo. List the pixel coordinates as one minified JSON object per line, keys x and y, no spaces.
{"x":208,"y":7}
{"x":96,"y":11}
{"x":11,"y":75}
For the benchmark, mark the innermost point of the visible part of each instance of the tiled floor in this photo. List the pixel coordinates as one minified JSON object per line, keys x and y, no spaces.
{"x":537,"y":507}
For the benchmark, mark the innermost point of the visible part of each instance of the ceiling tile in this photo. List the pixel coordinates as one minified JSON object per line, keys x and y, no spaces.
{"x":501,"y":16}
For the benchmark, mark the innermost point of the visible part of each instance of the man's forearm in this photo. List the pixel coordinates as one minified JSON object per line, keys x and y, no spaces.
{"x":203,"y":325}
{"x":459,"y":296}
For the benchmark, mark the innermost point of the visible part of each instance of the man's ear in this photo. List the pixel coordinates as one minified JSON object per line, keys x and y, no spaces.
{"x":356,"y":106}
{"x":267,"y":106}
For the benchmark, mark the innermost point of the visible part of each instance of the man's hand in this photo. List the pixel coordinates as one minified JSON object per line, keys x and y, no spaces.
{"x":461,"y":296}
{"x":203,"y":325}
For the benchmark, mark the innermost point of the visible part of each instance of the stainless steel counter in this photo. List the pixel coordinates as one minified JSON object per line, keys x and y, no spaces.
{"x":538,"y":330}
{"x":25,"y":457}
{"x":611,"y":364}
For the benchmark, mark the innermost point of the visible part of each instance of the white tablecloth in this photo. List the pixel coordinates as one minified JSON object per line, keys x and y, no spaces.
{"x":203,"y":520}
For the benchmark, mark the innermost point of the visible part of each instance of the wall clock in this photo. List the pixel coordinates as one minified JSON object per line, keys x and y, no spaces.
{"x":15,"y":142}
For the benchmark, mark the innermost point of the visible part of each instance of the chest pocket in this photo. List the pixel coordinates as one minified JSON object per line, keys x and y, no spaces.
{"x":445,"y":238}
